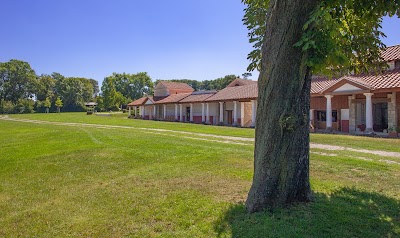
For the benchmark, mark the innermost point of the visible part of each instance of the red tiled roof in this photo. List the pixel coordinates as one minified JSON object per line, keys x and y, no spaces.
{"x":173,"y":98}
{"x":391,"y":53}
{"x":388,"y":79}
{"x":235,"y":93}
{"x":176,"y":86}
{"x":241,"y":82}
{"x":197,"y":97}
{"x":319,"y":84}
{"x":138,"y":102}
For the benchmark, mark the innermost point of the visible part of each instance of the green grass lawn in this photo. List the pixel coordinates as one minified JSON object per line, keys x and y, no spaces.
{"x":82,"y":181}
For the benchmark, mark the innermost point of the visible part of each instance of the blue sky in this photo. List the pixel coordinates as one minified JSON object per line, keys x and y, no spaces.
{"x":168,"y":39}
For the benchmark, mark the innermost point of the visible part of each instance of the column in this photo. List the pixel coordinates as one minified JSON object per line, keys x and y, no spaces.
{"x":180,"y":112}
{"x":352,"y":115}
{"x":221,"y":113}
{"x":144,"y":112}
{"x":155,"y":112}
{"x":129,"y":111}
{"x":368,"y":113}
{"x":253,"y":112}
{"x":328,"y":112}
{"x":203,"y":120}
{"x":392,"y":112}
{"x":165,"y":111}
{"x":208,"y":113}
{"x":176,"y":112}
{"x":235,"y":118}
{"x":191,"y":112}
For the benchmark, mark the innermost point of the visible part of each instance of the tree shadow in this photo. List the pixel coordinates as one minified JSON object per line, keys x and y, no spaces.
{"x":346,"y":213}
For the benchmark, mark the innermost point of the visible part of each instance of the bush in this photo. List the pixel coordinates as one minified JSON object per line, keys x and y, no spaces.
{"x":22,"y":106}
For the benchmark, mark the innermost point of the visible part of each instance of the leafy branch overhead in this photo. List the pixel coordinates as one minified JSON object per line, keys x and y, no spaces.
{"x":341,"y":36}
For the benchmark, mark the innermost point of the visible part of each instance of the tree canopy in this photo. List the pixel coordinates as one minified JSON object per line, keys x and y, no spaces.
{"x":341,"y":36}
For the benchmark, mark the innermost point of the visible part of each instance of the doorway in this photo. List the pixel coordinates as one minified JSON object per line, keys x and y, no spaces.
{"x":229,"y":115}
{"x":380,"y":116}
{"x":187,"y":113}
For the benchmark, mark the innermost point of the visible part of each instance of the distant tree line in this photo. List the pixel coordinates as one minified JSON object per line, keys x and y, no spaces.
{"x":22,"y":91}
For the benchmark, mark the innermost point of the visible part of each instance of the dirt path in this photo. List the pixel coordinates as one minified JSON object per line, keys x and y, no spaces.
{"x":208,"y":137}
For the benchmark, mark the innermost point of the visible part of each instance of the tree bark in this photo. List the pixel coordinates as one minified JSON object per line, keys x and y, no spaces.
{"x":281,"y":155}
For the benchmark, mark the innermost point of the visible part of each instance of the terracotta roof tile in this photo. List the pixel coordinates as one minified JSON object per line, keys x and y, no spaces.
{"x":391,"y":53}
{"x":241,"y":82}
{"x":235,"y":93}
{"x":320,"y":84}
{"x":173,"y":98}
{"x":176,"y":86}
{"x":198,"y":97}
{"x":388,"y":79}
{"x":138,"y":102}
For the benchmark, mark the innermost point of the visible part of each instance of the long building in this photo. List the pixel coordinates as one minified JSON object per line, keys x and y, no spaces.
{"x":363,"y":103}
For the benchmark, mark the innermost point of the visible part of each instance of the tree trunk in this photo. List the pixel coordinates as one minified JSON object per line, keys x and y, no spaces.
{"x":281,"y":155}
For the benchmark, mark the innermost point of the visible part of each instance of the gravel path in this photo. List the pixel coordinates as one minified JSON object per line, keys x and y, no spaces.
{"x":205,"y":137}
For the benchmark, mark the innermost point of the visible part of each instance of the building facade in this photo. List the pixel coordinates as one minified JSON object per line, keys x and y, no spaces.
{"x":363,"y":103}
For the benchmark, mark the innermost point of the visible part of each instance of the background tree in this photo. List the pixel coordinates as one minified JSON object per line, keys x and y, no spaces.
{"x":292,"y":40}
{"x":45,"y":87}
{"x":108,"y":92}
{"x":17,"y":80}
{"x":47,"y":104}
{"x":59,"y":104}
{"x":246,"y":75}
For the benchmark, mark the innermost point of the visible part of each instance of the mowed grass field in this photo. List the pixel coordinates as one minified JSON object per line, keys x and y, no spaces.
{"x":98,"y":181}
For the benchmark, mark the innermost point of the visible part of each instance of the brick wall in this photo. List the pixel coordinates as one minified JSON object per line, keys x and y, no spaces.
{"x":338,"y":102}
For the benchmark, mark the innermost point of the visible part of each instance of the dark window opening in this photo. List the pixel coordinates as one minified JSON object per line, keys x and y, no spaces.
{"x":321,"y":115}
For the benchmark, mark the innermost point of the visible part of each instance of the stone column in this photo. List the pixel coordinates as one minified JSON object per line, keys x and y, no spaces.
{"x":368,"y":113}
{"x":352,"y":115}
{"x":235,"y":118}
{"x":144,"y":112}
{"x":165,"y":111}
{"x":329,"y":112}
{"x":176,"y":112}
{"x":221,"y":113}
{"x":392,"y":115}
{"x":242,"y":114}
{"x":155,"y":111}
{"x":203,"y":119}
{"x":208,"y":113}
{"x":129,"y":111}
{"x":191,"y":112}
{"x":253,"y":112}
{"x":180,"y":112}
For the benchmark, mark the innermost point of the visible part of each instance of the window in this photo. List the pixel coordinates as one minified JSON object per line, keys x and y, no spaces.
{"x":321,"y":115}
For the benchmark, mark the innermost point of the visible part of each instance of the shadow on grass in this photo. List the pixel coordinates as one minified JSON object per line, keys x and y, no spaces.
{"x":346,"y":213}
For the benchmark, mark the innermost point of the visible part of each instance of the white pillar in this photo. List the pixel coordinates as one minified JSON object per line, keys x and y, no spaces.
{"x":208,"y":114}
{"x":328,"y":112}
{"x":180,"y":112}
{"x":203,"y":120}
{"x":242,"y":114}
{"x":176,"y":112}
{"x":154,"y":111}
{"x":191,"y":112}
{"x":165,"y":111}
{"x":144,"y":112}
{"x":368,"y":113}
{"x":221,"y":113}
{"x":235,"y":118}
{"x":253,"y":112}
{"x":129,"y":111}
